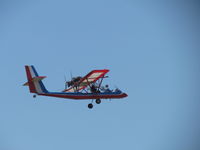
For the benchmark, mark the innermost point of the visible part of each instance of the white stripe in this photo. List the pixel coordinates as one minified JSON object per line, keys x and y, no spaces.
{"x":32,"y":72}
{"x":38,"y":87}
{"x":36,"y":83}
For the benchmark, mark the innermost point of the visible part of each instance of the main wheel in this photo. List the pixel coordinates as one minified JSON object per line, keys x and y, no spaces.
{"x":90,"y":106}
{"x":34,"y":96}
{"x":98,"y":101}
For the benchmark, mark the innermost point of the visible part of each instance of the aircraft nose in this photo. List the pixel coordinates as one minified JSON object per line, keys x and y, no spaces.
{"x":125,"y":95}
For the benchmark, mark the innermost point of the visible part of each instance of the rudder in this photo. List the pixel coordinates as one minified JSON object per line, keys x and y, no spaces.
{"x":34,"y":80}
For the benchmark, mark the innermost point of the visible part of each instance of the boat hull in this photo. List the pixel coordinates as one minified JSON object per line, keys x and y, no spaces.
{"x":79,"y":96}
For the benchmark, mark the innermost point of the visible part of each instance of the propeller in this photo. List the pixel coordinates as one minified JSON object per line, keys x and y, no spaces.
{"x":71,"y":76}
{"x":65,"y":82}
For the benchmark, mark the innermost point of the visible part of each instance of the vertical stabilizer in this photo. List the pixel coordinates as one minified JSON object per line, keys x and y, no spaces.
{"x":34,"y":81}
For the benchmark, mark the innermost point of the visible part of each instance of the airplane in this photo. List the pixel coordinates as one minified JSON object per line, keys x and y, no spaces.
{"x":79,"y":88}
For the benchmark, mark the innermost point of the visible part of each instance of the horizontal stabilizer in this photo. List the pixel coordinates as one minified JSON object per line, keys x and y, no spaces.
{"x":39,"y":78}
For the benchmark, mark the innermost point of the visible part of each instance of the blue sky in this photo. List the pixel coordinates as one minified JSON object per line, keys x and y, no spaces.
{"x":151,"y":49}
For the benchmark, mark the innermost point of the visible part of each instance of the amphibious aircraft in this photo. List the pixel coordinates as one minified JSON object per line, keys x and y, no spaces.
{"x":79,"y":88}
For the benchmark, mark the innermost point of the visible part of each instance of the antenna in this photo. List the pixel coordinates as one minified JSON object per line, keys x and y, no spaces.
{"x":65,"y":81}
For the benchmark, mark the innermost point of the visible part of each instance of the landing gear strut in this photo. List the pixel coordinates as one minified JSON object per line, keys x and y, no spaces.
{"x":98,"y":101}
{"x":90,"y":106}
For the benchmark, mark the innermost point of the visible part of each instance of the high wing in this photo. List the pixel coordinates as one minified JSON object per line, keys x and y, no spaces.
{"x":90,"y":78}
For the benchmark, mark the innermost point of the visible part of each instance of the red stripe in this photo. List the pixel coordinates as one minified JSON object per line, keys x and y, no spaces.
{"x":30,"y":82}
{"x":87,"y":97}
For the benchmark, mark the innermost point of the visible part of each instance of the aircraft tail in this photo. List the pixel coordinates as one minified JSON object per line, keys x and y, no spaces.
{"x":34,"y":81}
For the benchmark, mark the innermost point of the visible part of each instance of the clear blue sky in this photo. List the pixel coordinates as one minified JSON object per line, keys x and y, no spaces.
{"x":151,"y":48}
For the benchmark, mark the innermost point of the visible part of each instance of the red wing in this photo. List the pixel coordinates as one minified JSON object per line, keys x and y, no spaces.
{"x":91,"y":77}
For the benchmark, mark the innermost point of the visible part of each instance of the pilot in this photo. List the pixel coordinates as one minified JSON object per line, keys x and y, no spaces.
{"x":118,"y":90}
{"x":106,"y":88}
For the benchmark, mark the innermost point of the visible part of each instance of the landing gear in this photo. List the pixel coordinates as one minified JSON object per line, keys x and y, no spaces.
{"x":90,"y":106}
{"x":98,"y":101}
{"x":34,"y":96}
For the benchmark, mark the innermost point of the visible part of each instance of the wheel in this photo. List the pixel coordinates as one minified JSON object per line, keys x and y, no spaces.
{"x":34,"y":96}
{"x":90,"y":106}
{"x":98,"y":101}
